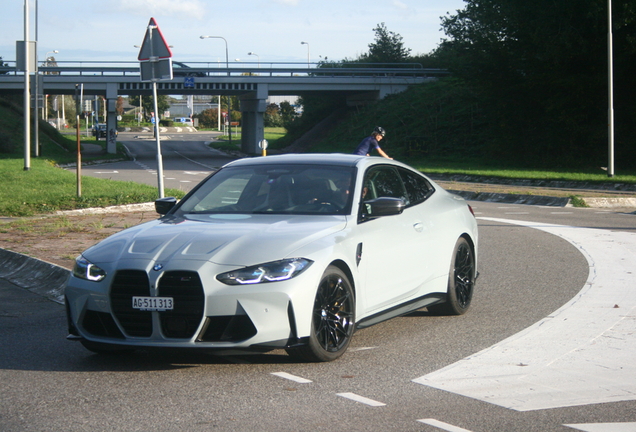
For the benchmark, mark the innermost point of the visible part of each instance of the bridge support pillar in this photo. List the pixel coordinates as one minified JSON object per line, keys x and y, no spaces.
{"x":111,"y":118}
{"x":253,"y":108}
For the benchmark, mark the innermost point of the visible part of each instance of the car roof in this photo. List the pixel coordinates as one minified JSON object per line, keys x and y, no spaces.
{"x":329,"y":159}
{"x":333,"y":159}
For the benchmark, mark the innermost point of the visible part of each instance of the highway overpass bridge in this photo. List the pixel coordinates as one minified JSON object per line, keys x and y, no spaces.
{"x":251,"y":84}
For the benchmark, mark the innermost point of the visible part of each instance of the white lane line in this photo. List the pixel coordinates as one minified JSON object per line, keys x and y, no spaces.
{"x":292,"y":377}
{"x":106,"y":172}
{"x":361,"y":349}
{"x":198,"y":163}
{"x":516,"y":213}
{"x":361,"y":399}
{"x":581,"y":354}
{"x":444,"y":426}
{"x":604,"y":427}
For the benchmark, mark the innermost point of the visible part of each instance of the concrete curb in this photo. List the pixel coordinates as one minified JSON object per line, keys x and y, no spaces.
{"x":37,"y":276}
{"x":513,"y":199}
{"x":609,"y":202}
{"x":149,"y":206}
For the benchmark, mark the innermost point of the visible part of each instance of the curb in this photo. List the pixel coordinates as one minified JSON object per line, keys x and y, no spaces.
{"x":149,"y":206}
{"x":609,"y":202}
{"x":514,"y":199}
{"x":37,"y":276}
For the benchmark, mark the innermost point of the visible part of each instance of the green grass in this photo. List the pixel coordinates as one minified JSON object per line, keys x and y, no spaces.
{"x":46,"y":189}
{"x":271,"y":134}
{"x":477,"y":169}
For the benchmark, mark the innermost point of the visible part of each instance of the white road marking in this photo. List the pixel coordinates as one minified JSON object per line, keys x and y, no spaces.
{"x":581,"y":354}
{"x":360,"y":349}
{"x":442,"y":425}
{"x":361,"y":399}
{"x":604,"y":427}
{"x":106,"y":172}
{"x":198,"y":163}
{"x":292,"y":377}
{"x":517,"y":213}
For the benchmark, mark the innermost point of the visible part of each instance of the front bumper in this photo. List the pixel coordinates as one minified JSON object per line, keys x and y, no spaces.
{"x":208,"y":315}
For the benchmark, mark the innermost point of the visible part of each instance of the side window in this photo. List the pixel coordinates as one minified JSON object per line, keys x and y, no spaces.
{"x":417,"y":187}
{"x":383,"y":182}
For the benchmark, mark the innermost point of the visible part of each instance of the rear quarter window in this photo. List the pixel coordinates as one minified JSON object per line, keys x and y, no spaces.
{"x":418,"y":188}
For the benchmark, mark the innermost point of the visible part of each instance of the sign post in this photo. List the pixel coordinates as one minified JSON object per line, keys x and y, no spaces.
{"x":156,"y":65}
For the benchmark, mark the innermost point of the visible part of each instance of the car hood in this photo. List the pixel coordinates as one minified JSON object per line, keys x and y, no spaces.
{"x":238,"y":240}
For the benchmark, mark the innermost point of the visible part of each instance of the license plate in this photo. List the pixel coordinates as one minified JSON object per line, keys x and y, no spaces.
{"x":153,"y":303}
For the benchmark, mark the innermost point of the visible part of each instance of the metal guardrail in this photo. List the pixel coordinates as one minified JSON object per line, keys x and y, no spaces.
{"x":96,"y":68}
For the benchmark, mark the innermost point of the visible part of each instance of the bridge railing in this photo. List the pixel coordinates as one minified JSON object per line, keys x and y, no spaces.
{"x":200,"y":69}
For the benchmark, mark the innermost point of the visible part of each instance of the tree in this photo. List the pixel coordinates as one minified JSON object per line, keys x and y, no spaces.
{"x":540,"y":71}
{"x":387,"y":47}
{"x":148,"y":105}
{"x":287,"y":113}
{"x":272,"y":117}
{"x":208,"y":118}
{"x":119,"y":105}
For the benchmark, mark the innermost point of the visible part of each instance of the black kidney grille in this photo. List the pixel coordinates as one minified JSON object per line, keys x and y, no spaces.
{"x":126,"y":284}
{"x":186,"y":289}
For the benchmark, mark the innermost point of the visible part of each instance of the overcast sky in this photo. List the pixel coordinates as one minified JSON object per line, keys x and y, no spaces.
{"x":108,"y":29}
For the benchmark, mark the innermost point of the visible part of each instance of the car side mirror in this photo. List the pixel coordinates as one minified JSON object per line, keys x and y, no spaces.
{"x":164,"y":205}
{"x":384,"y":206}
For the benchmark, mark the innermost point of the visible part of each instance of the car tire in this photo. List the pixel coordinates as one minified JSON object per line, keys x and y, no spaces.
{"x":104,"y":348}
{"x":333,"y":319}
{"x":461,"y":281}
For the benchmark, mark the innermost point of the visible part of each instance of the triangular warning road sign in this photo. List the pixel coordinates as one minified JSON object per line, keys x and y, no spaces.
{"x":154,"y":44}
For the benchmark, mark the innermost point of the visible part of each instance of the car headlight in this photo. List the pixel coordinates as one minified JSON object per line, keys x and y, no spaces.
{"x":84,"y":269}
{"x":269,"y":272}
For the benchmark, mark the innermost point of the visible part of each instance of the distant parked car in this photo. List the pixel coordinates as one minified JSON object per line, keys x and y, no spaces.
{"x":184,"y":120}
{"x":181,"y":70}
{"x":99,"y":130}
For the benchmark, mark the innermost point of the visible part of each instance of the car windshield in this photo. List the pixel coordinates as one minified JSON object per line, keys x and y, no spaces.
{"x":274,"y":189}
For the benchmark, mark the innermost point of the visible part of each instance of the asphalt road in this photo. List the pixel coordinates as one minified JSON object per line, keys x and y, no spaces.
{"x":526,"y":274}
{"x":186,"y":160}
{"x":400,"y":375}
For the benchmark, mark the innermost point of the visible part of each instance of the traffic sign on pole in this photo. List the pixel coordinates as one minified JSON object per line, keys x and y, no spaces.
{"x":155,"y":65}
{"x":154,"y":44}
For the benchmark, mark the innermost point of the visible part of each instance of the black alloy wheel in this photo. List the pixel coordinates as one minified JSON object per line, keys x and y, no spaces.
{"x":333,"y":319}
{"x":461,"y":281}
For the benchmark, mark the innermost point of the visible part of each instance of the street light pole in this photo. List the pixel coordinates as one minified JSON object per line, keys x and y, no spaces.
{"x":227,"y":57}
{"x":257,"y":56}
{"x":227,"y":66}
{"x":610,"y":85}
{"x":27,"y":91}
{"x":308,"y":57}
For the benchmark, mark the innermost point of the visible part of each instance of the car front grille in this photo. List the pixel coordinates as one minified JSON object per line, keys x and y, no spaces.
{"x":126,"y":284}
{"x":187,"y":290}
{"x":183,"y":286}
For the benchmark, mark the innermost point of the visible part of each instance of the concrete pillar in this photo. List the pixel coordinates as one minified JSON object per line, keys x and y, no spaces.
{"x":253,"y":106}
{"x":111,"y":118}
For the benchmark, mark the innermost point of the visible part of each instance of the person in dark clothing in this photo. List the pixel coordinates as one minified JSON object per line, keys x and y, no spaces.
{"x":372,"y":142}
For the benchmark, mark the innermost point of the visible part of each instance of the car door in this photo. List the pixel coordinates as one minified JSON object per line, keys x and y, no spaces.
{"x":391,"y":259}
